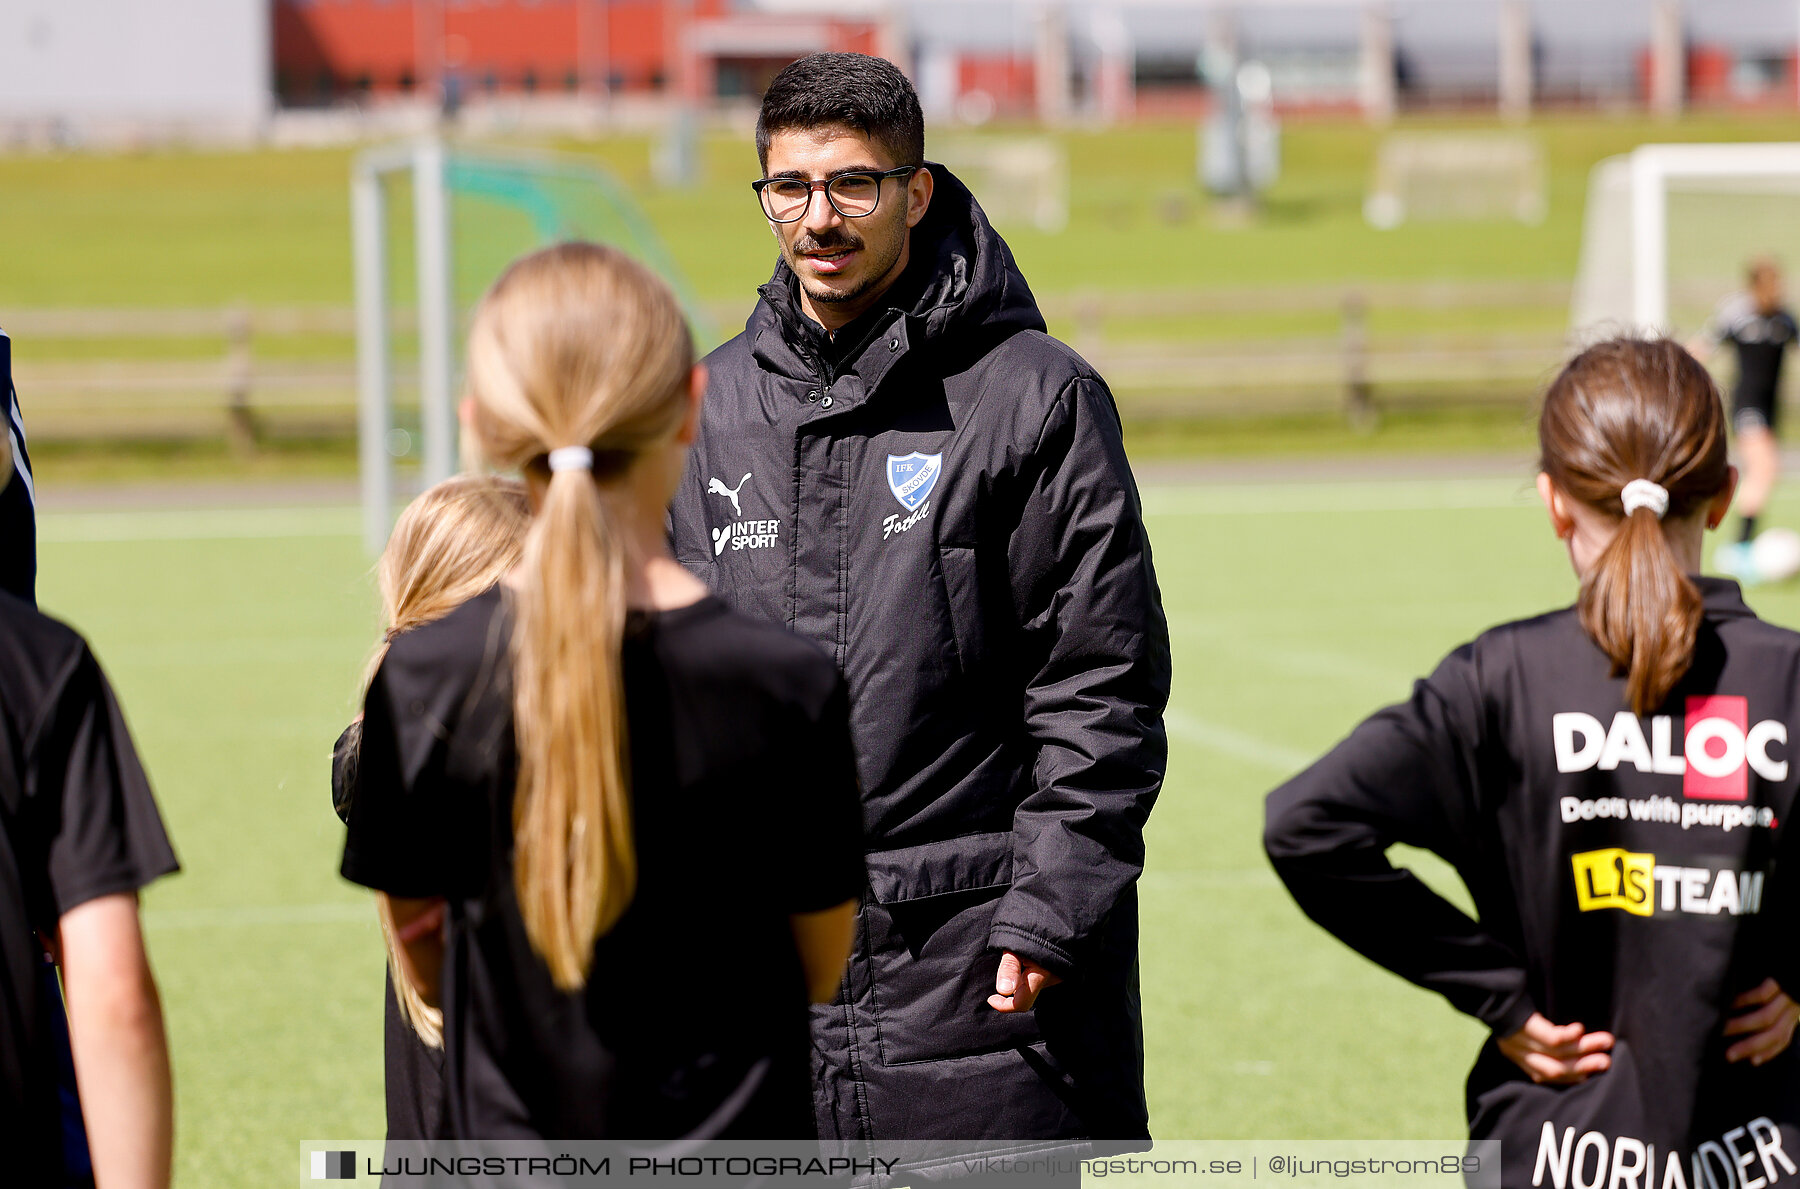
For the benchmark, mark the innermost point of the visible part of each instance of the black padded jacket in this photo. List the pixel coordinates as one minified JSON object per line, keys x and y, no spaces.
{"x":940,"y":497}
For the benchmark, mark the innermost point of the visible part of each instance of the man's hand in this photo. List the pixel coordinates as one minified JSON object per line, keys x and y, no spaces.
{"x":1767,"y":1029}
{"x":1018,"y":984}
{"x":1558,"y":1054}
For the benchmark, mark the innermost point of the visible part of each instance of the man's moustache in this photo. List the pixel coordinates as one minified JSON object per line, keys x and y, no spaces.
{"x":835,"y":244}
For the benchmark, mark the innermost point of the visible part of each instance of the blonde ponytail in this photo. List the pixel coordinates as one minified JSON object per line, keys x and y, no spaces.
{"x":576,"y":346}
{"x":573,"y":858}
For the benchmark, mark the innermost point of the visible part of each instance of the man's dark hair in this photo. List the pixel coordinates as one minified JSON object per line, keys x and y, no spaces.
{"x":866,"y":94}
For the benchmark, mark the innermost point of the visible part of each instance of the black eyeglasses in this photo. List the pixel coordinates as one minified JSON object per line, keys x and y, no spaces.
{"x":852,"y":195}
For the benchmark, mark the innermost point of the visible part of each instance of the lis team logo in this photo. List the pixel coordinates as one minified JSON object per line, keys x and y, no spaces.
{"x":911,"y":477}
{"x":1642,"y":886}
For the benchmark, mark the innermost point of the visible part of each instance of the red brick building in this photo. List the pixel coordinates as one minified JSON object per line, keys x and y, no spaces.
{"x":327,"y":50}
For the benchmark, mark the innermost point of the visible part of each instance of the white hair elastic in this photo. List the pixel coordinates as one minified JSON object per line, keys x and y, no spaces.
{"x":580,"y":458}
{"x":1641,"y":493}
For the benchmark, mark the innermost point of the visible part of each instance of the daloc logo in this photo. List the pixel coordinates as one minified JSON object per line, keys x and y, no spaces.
{"x":912,"y":476}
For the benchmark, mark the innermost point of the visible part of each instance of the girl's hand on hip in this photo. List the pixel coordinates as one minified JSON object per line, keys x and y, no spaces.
{"x":1558,"y":1054}
{"x":1767,"y":1028}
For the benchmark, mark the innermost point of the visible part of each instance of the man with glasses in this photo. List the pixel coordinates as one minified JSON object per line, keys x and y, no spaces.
{"x":898,"y":463}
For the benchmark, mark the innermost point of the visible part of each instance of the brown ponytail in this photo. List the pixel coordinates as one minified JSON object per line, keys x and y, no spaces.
{"x":1637,"y":409}
{"x":575,"y":346}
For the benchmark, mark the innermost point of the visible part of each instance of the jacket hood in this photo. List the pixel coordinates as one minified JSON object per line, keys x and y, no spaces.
{"x":974,"y":287}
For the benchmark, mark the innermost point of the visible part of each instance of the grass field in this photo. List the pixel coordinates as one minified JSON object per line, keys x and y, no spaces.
{"x":235,"y":638}
{"x":272,"y":227}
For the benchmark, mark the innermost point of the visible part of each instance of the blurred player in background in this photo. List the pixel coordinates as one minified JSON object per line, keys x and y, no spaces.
{"x":1615,"y":784}
{"x":1760,"y":327}
{"x":79,"y":836}
{"x":580,"y":789}
{"x":456,"y":540}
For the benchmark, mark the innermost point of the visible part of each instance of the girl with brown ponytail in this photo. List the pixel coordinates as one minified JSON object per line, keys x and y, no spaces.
{"x":577,"y":789}
{"x":1613,"y":782}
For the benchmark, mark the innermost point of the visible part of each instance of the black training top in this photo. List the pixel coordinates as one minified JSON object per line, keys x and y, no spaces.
{"x":1632,"y":873}
{"x":77,"y":822}
{"x":413,"y":1070}
{"x":18,"y":511}
{"x":745,"y":811}
{"x":1761,"y":341}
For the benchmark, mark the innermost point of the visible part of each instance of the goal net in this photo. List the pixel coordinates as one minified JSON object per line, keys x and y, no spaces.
{"x":1669,"y":229}
{"x":433,"y":226}
{"x":1450,"y":176}
{"x":1017,"y":180}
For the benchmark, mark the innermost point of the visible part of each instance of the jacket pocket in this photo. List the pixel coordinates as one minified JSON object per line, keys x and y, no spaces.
{"x":931,"y":970}
{"x":962,"y":593}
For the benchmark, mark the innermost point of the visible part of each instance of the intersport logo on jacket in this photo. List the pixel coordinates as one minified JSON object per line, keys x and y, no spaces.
{"x":1719,"y":747}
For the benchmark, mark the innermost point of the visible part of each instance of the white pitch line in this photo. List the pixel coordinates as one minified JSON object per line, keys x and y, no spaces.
{"x":1236,"y":640}
{"x":1160,"y":499}
{"x":1277,"y":757}
{"x":1198,"y":499}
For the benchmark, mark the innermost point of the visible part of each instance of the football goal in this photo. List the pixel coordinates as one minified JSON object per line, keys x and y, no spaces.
{"x":1450,"y":177}
{"x":1669,"y":229}
{"x":432,"y":226}
{"x":1017,"y":180}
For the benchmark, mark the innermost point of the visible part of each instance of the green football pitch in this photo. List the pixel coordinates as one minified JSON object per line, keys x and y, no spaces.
{"x":272,"y":227}
{"x":235,"y":638}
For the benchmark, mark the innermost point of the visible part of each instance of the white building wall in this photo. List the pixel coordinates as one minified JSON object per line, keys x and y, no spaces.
{"x":204,"y":64}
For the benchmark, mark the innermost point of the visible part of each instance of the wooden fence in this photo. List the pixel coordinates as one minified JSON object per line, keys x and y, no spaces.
{"x":184,"y":373}
{"x":247,"y":373}
{"x":1351,"y":366}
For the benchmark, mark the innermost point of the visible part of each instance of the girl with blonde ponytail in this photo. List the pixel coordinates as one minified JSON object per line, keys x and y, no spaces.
{"x":457,"y":539}
{"x":577,"y":789}
{"x":1614,"y":783}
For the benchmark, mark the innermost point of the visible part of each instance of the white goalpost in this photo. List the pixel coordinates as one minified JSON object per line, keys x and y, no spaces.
{"x":1669,"y":227}
{"x":473,"y":209}
{"x":424,"y":160}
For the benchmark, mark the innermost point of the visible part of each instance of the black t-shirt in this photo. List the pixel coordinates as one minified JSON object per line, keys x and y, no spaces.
{"x":77,"y":822}
{"x":1630,"y":872}
{"x":18,"y":514}
{"x":413,"y":1071}
{"x":745,"y":811}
